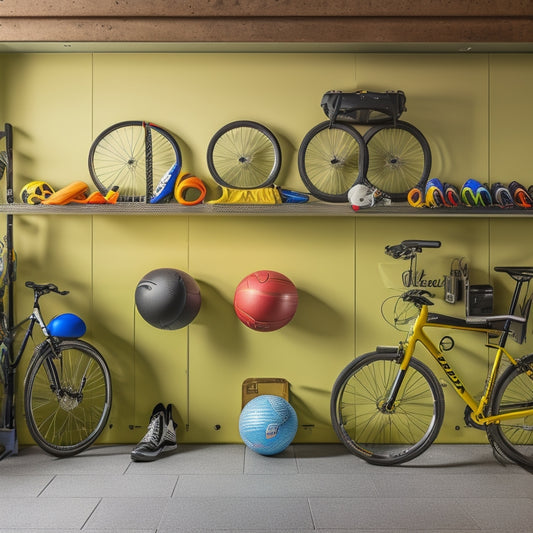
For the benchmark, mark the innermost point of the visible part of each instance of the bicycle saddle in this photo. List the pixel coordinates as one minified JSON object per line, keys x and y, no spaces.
{"x":518,"y":273}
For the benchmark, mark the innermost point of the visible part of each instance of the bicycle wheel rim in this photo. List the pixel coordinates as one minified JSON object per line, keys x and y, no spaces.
{"x":331,"y":158}
{"x":120,"y":157}
{"x":59,"y":424}
{"x":399,"y":159}
{"x":391,"y":437}
{"x":244,"y":155}
{"x":514,"y":391}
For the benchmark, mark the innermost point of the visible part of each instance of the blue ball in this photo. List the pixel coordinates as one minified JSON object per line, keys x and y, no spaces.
{"x":268,"y":424}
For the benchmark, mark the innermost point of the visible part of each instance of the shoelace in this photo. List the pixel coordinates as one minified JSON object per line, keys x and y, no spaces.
{"x":152,"y":435}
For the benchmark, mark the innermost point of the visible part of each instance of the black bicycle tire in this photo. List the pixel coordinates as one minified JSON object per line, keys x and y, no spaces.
{"x":396,"y":194}
{"x":34,"y":366}
{"x":402,"y":452}
{"x":331,"y":164}
{"x":142,"y":190}
{"x":497,"y":433}
{"x":215,"y":141}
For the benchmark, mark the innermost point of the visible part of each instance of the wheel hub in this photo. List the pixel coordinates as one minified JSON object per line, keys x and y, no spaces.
{"x":69,"y":400}
{"x":382,"y":407}
{"x":393,"y":161}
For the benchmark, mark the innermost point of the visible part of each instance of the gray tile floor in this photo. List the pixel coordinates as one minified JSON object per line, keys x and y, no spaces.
{"x":230,"y":488}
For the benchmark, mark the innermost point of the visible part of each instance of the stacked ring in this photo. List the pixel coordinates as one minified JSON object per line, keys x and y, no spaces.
{"x":189,"y":182}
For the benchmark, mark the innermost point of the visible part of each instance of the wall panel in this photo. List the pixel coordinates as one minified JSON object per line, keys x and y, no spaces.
{"x":466,"y":105}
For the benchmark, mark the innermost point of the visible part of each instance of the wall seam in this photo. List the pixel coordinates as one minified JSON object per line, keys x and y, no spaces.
{"x":489,"y":153}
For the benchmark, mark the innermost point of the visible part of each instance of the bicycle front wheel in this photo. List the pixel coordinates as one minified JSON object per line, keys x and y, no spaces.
{"x":244,"y":155}
{"x":66,"y":420}
{"x":399,"y":159}
{"x":132,"y":156}
{"x":514,"y":392}
{"x":331,"y":158}
{"x":381,"y":436}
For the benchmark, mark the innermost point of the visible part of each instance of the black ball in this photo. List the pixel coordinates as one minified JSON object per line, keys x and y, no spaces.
{"x":168,"y":298}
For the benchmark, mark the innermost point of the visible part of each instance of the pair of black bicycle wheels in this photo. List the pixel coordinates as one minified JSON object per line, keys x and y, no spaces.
{"x":392,"y":436}
{"x":334,"y":156}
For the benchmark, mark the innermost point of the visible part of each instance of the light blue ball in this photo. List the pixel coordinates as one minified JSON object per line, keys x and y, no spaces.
{"x":268,"y":424}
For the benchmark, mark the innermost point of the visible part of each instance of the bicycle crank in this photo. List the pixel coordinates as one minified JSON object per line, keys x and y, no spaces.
{"x":470,"y":422}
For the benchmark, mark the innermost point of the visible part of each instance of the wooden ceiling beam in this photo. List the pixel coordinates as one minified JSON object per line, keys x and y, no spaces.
{"x":269,"y":21}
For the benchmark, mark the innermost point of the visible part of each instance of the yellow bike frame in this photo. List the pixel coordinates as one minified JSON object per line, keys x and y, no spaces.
{"x":435,"y":320}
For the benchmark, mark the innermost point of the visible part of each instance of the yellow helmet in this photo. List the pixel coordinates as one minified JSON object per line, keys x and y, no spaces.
{"x":35,"y":192}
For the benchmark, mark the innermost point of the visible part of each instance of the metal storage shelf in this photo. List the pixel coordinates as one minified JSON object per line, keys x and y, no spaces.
{"x":310,"y":209}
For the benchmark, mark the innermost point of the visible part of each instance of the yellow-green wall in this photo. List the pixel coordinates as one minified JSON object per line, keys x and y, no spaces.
{"x":473,"y":109}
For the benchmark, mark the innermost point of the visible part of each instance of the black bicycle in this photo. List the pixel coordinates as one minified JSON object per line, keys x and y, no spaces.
{"x":67,"y":387}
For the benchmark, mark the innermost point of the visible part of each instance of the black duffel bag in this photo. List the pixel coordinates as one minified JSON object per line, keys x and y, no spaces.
{"x":364,"y":107}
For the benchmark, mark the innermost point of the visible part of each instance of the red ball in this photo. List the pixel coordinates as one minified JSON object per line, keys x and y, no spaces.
{"x":265,"y":300}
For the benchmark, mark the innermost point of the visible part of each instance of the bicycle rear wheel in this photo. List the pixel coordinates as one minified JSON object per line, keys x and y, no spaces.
{"x":65,"y":422}
{"x":131,"y":155}
{"x":377,"y":435}
{"x":244,"y":155}
{"x":399,"y":159}
{"x":331,"y":158}
{"x":514,"y":392}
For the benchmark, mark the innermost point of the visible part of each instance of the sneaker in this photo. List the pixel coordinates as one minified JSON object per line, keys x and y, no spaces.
{"x":160,"y":437}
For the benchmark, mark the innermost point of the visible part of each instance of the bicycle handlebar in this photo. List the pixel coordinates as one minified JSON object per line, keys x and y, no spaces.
{"x":409,"y":248}
{"x":44,"y":289}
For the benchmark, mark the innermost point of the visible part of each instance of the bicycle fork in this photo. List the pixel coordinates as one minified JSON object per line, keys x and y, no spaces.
{"x":68,"y":397}
{"x":389,"y":402}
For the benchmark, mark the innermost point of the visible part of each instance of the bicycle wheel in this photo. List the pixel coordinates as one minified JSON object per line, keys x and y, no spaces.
{"x":379,"y":436}
{"x":244,"y":155}
{"x":514,"y":392}
{"x":132,"y":155}
{"x":399,"y":159}
{"x":331,"y":158}
{"x":65,"y":422}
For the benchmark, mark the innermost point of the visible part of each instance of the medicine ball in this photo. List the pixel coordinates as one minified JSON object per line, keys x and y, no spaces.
{"x":168,"y":298}
{"x":265,"y":300}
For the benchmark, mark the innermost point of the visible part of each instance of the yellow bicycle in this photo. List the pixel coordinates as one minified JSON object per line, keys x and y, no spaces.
{"x":387,"y":407}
